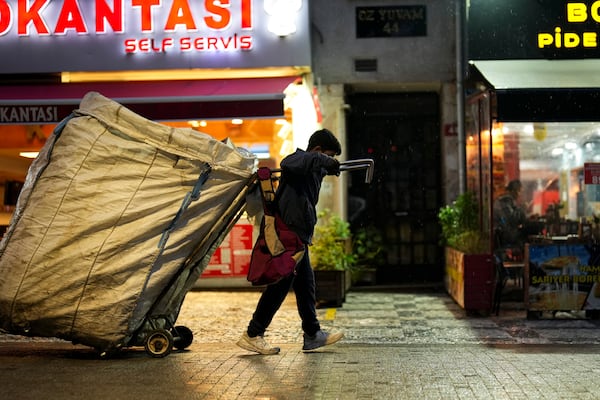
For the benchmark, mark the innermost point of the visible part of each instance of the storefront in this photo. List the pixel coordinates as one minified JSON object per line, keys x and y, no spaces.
{"x":238,"y":69}
{"x":532,"y":117}
{"x":387,"y":69}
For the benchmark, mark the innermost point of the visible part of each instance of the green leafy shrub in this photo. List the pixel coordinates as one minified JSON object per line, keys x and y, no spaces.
{"x":330,"y":250}
{"x":367,"y":247}
{"x":460,"y":225}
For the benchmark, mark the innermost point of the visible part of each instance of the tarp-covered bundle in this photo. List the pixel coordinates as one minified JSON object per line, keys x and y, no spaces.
{"x":116,"y":221}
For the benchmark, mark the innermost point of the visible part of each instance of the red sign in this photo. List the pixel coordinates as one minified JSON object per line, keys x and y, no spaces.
{"x":232,"y":258}
{"x":153,"y":15}
{"x":451,"y":129}
{"x":34,"y":20}
{"x":591,"y":173}
{"x":94,"y":35}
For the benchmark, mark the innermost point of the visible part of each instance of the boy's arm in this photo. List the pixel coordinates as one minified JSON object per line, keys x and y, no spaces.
{"x":302,"y":163}
{"x":331,"y":165}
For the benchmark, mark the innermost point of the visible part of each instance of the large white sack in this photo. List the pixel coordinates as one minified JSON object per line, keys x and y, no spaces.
{"x":94,"y":239}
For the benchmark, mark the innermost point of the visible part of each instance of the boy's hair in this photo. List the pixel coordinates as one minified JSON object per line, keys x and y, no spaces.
{"x":326,"y":140}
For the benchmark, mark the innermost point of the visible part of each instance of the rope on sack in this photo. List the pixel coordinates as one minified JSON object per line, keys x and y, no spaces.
{"x":192,"y":195}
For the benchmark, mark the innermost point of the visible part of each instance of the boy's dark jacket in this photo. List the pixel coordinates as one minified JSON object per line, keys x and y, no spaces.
{"x":298,"y":193}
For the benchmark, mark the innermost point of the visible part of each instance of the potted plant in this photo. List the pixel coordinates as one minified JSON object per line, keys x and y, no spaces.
{"x":331,"y":258}
{"x":460,"y":225}
{"x":470,"y":274}
{"x":367,"y":249}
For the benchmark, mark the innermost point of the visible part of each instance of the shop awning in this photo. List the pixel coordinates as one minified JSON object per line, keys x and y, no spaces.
{"x":543,"y":90}
{"x":172,"y":100}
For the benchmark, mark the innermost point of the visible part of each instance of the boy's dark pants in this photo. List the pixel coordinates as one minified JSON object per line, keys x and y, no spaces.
{"x":273,"y":296}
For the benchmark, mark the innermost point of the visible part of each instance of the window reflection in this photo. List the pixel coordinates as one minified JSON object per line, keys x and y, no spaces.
{"x":549,"y":160}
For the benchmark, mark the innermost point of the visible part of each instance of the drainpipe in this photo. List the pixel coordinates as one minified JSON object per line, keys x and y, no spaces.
{"x":460,"y":93}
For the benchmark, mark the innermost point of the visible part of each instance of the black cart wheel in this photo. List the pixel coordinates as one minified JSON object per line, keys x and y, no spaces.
{"x":534,"y":314}
{"x":182,"y":337}
{"x":159,"y":343}
{"x":592,"y":314}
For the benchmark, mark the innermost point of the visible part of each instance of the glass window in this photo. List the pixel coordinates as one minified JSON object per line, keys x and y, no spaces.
{"x":550,"y":159}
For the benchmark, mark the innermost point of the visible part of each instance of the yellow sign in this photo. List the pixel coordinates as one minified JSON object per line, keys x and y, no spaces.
{"x":576,"y":12}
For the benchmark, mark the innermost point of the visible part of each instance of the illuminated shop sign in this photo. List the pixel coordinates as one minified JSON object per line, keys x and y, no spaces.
{"x":32,"y":20}
{"x":568,"y":37}
{"x":29,"y":114}
{"x":517,"y":29}
{"x":180,"y":33}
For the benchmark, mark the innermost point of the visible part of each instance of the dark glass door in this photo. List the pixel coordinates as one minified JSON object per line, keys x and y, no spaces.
{"x":401,"y":132}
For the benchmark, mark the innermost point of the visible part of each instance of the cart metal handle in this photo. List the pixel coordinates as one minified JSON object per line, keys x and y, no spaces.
{"x":351,"y":165}
{"x":364,"y":163}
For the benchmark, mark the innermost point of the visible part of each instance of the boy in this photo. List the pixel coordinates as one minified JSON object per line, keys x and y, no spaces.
{"x":301,"y":176}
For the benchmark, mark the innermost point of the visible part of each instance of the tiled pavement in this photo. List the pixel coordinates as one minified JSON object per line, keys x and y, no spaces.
{"x":399,"y":345}
{"x":416,"y":316}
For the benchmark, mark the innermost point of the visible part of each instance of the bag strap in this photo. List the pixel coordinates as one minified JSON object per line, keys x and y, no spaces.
{"x":267,"y":189}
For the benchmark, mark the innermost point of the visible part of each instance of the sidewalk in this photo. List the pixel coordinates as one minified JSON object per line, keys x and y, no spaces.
{"x":394,"y":316}
{"x":398,"y":345}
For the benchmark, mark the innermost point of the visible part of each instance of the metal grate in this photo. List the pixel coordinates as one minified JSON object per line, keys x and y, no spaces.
{"x":401,"y":133}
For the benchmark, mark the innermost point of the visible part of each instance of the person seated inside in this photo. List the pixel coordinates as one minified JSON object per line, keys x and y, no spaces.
{"x":509,"y":222}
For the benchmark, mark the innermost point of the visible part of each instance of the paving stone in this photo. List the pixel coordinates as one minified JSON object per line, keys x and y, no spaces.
{"x":398,"y":345}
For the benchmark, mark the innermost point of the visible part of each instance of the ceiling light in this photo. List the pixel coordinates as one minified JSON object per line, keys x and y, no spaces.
{"x":571,"y":145}
{"x":29,"y":154}
{"x":197,"y":124}
{"x":283,"y":15}
{"x":237,"y":121}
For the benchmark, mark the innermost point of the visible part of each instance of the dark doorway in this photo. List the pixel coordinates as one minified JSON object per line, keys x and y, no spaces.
{"x":401,"y":132}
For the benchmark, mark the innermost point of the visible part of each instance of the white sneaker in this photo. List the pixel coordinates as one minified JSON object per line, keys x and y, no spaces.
{"x":321,"y":339}
{"x":256,"y":344}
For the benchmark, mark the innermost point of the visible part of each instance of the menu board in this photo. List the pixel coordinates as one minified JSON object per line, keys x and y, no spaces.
{"x":232,"y":257}
{"x":562,"y":277}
